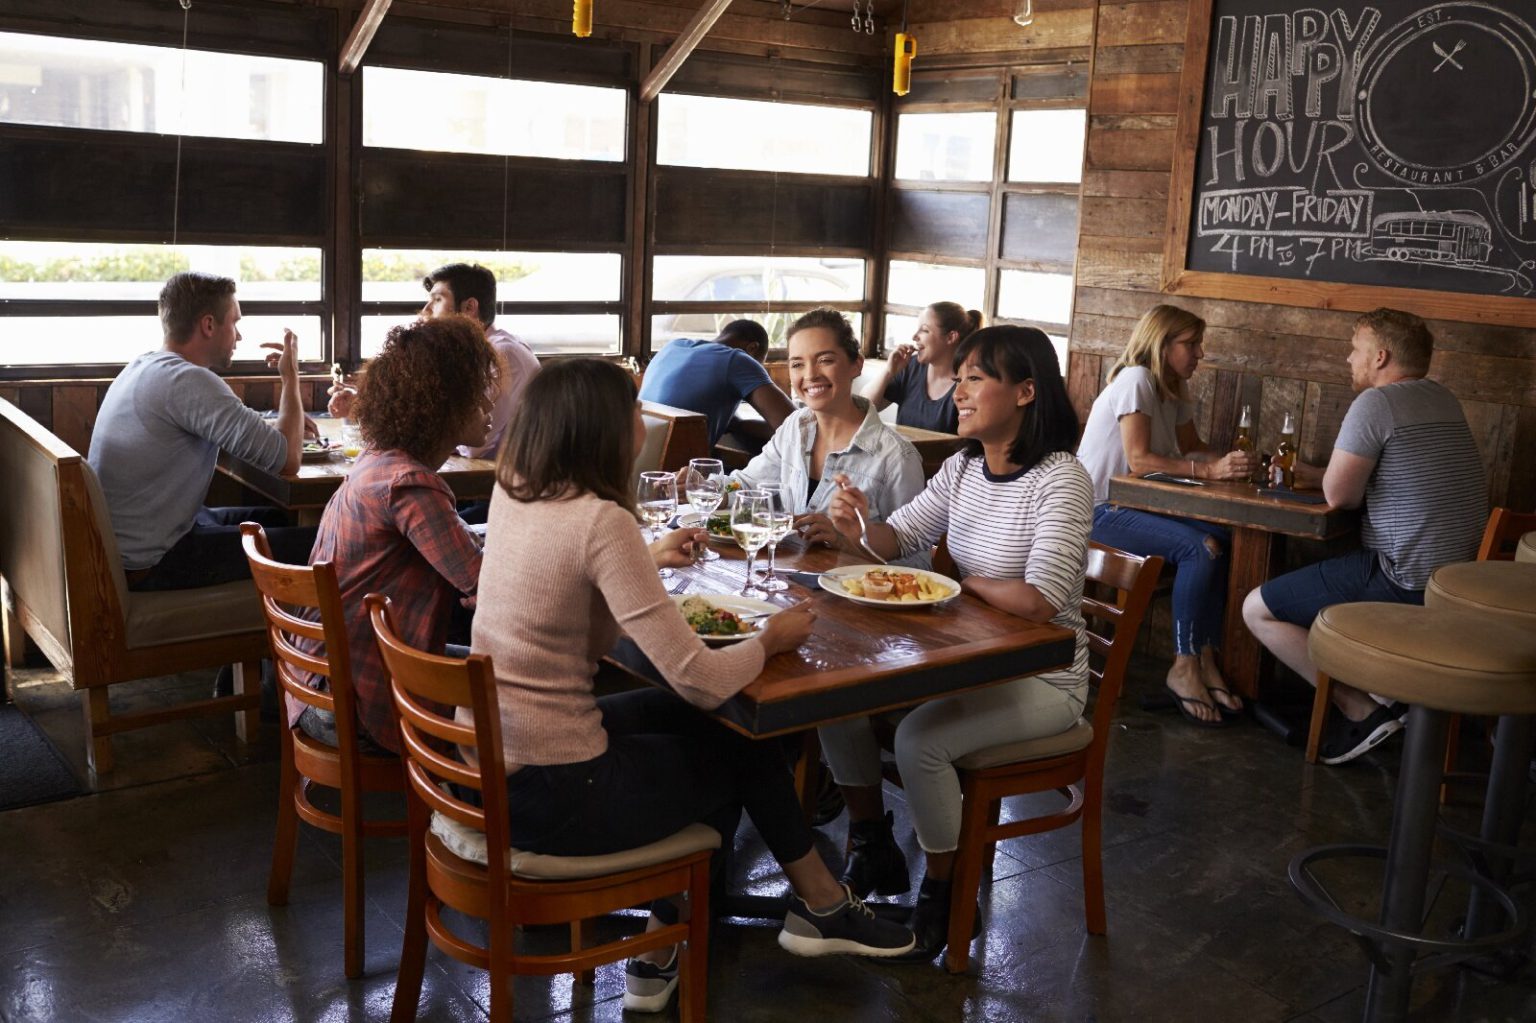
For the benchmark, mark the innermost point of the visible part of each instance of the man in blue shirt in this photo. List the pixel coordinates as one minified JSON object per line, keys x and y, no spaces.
{"x":714,"y":377}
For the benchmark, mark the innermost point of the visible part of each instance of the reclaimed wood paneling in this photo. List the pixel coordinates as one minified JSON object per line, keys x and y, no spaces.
{"x":1053,"y":29}
{"x":1134,"y":94}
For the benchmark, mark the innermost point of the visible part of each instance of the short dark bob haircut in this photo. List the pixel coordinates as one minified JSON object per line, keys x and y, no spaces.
{"x":573,"y":432}
{"x":1014,"y":355}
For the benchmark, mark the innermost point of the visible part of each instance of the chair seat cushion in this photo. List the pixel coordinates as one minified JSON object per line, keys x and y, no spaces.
{"x":469,"y":843}
{"x":1078,"y":737}
{"x":1443,"y":659}
{"x":1525,"y":551}
{"x":1499,"y":589}
{"x":175,"y":616}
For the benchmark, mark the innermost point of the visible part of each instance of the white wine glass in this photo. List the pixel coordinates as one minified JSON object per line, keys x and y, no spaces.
{"x":751,"y":520}
{"x":657,"y":498}
{"x":704,"y":483}
{"x":781,"y":519}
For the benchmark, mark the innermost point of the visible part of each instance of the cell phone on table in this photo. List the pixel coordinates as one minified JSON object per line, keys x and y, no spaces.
{"x":1168,"y":477}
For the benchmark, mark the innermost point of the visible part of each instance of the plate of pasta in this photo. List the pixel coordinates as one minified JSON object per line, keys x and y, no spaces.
{"x":725,"y":619}
{"x":889,"y":585}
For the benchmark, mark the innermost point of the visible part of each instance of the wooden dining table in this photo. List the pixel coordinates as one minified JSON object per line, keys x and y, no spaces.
{"x":861,"y":659}
{"x":1259,"y":524}
{"x":305,"y":493}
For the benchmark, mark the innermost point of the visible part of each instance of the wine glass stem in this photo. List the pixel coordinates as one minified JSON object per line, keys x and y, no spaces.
{"x":773,"y":550}
{"x":747,"y":587}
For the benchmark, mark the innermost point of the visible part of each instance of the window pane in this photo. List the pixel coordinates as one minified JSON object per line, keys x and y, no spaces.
{"x":569,"y":334}
{"x":757,"y":279}
{"x":446,"y":113}
{"x":395,"y":275}
{"x":1047,"y":145}
{"x":1041,"y":298}
{"x":106,"y":271}
{"x":923,"y":284}
{"x":64,"y":340}
{"x":740,"y":134}
{"x":670,"y":326}
{"x":946,"y":147}
{"x":899,"y":330}
{"x":85,"y":83}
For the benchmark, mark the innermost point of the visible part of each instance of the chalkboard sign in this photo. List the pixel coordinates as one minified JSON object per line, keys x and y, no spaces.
{"x":1334,"y":149}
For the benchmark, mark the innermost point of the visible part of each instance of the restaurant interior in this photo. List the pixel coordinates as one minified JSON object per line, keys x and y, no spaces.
{"x":641,"y":171}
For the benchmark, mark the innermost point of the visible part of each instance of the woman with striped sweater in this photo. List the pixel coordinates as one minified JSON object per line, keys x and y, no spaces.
{"x":1016,"y":506}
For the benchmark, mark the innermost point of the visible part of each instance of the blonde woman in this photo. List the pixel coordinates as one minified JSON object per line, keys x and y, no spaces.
{"x":919,"y":377}
{"x":1143,"y":421}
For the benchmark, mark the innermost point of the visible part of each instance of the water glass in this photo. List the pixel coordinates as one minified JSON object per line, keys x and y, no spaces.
{"x":656,"y":496}
{"x":351,"y":440}
{"x":781,"y":519}
{"x":704,"y":484}
{"x":751,"y":522}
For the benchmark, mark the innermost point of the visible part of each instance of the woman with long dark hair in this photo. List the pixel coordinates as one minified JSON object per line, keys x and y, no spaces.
{"x":565,"y":569}
{"x":1015,"y":507}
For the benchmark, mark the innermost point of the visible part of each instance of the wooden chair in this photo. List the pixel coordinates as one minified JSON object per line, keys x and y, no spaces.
{"x":64,"y":588}
{"x":1071,"y":764}
{"x":1500,"y":538}
{"x":673,"y":437}
{"x":287,"y":591}
{"x":450,"y":838}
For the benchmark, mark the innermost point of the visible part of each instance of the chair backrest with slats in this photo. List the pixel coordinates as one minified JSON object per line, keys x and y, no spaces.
{"x":427,"y":690}
{"x":1505,"y":528}
{"x":1112,"y":627}
{"x":287,"y":591}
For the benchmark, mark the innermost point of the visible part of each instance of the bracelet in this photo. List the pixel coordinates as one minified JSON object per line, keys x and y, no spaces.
{"x":1192,"y":468}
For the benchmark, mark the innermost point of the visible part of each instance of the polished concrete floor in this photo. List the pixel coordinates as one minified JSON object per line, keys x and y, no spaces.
{"x":146,"y":900}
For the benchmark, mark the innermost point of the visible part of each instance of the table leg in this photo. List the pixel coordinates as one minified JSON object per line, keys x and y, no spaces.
{"x":1252,"y":560}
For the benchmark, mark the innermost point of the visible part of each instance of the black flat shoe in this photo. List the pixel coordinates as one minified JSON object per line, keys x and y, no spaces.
{"x":930,"y":922}
{"x":875,"y":862}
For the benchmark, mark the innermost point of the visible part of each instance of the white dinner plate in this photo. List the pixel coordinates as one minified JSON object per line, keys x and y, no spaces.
{"x":736,"y":605}
{"x":319,"y":454}
{"x":831,"y":581}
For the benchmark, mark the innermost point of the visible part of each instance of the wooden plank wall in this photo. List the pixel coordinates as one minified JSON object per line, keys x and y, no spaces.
{"x":1272,"y":357}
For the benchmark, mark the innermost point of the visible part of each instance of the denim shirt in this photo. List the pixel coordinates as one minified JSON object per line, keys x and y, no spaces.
{"x":879,"y":461}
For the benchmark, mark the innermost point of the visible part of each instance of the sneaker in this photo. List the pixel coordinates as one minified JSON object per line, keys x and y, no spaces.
{"x":648,"y":987}
{"x":1344,"y":740}
{"x":851,"y":927}
{"x":875,"y":862}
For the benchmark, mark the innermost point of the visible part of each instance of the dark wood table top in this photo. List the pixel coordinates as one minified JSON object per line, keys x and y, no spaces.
{"x":861,"y":659}
{"x":1233,"y":504}
{"x":471,"y":479}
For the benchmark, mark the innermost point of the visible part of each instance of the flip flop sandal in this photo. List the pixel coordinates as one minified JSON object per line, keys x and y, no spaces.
{"x":1225,"y":711}
{"x":1183,"y":702}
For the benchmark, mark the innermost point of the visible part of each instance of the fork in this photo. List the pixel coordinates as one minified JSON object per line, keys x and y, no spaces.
{"x":864,"y":538}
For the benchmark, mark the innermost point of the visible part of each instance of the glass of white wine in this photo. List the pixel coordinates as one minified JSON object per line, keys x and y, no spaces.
{"x":781,"y":519}
{"x":704,"y":484}
{"x":751,"y":521}
{"x":657,"y":497}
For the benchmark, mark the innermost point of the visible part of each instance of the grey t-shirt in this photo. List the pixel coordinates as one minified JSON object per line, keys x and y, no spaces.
{"x":1133,"y":389}
{"x":156,"y":438}
{"x":1426,"y":501}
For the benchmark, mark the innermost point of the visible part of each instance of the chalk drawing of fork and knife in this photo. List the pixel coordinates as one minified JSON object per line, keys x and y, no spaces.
{"x":1449,"y":58}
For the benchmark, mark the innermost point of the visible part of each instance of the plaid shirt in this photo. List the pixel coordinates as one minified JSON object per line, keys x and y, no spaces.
{"x":392,"y":528}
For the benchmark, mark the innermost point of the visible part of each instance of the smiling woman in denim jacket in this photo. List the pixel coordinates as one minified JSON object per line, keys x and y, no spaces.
{"x":837,"y":432}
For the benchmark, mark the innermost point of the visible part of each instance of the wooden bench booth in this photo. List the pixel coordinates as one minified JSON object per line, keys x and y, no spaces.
{"x":64,"y":588}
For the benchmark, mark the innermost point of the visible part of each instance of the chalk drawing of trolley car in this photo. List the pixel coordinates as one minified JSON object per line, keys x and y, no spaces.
{"x":1452,"y":236}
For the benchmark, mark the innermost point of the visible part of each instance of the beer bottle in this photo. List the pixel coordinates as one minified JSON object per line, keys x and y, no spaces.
{"x":1282,"y":468}
{"x":1244,"y":440}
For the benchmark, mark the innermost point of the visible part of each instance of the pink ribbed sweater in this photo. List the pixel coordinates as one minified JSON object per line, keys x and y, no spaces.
{"x":559,"y":580}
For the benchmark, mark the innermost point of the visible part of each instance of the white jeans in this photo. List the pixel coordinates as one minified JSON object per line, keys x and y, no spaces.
{"x":933,"y":736}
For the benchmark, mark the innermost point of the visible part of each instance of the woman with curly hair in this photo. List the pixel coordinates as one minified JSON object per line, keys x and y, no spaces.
{"x":391,"y":526}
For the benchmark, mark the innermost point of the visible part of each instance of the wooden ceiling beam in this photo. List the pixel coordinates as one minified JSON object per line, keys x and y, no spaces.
{"x":679,"y":51}
{"x":362,"y":34}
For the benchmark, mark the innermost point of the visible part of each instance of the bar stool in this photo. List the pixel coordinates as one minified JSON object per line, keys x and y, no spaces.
{"x":1440,"y":662}
{"x":1500,"y":591}
{"x":1525,"y":551}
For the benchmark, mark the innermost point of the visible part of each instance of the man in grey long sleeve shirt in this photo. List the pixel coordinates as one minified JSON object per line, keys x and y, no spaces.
{"x":159,"y":432}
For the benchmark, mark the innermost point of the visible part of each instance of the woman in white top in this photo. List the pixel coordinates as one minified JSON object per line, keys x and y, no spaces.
{"x":1143,"y":421}
{"x":837,"y":432}
{"x":1015,"y":506}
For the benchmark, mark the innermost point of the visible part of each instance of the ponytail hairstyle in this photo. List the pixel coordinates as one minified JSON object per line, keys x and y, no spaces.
{"x":954,"y":318}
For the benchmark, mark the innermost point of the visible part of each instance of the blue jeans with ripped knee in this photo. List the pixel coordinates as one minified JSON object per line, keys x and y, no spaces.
{"x":1199,"y":588}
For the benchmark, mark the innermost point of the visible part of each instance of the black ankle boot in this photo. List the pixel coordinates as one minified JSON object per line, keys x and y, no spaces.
{"x":875,"y":862}
{"x":929,"y":922}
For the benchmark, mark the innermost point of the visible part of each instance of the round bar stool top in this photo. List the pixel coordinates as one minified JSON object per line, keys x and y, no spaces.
{"x":1525,"y":551}
{"x":1450,"y":660}
{"x":1499,"y":590}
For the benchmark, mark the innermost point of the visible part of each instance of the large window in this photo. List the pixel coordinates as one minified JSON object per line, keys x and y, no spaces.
{"x":710,"y":131}
{"x":1047,"y":145}
{"x":558,"y":302}
{"x":697,"y":295}
{"x":438,"y":112}
{"x":87,"y":83}
{"x":945,"y":147}
{"x":95,"y":304}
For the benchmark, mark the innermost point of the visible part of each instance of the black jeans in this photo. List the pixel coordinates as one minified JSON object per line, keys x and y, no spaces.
{"x":210,"y":553}
{"x":666,"y":766}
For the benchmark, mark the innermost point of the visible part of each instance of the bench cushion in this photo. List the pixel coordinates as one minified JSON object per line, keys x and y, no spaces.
{"x":468,"y":843}
{"x":1503,"y":590}
{"x":1526,"y":551}
{"x":174,"y":616}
